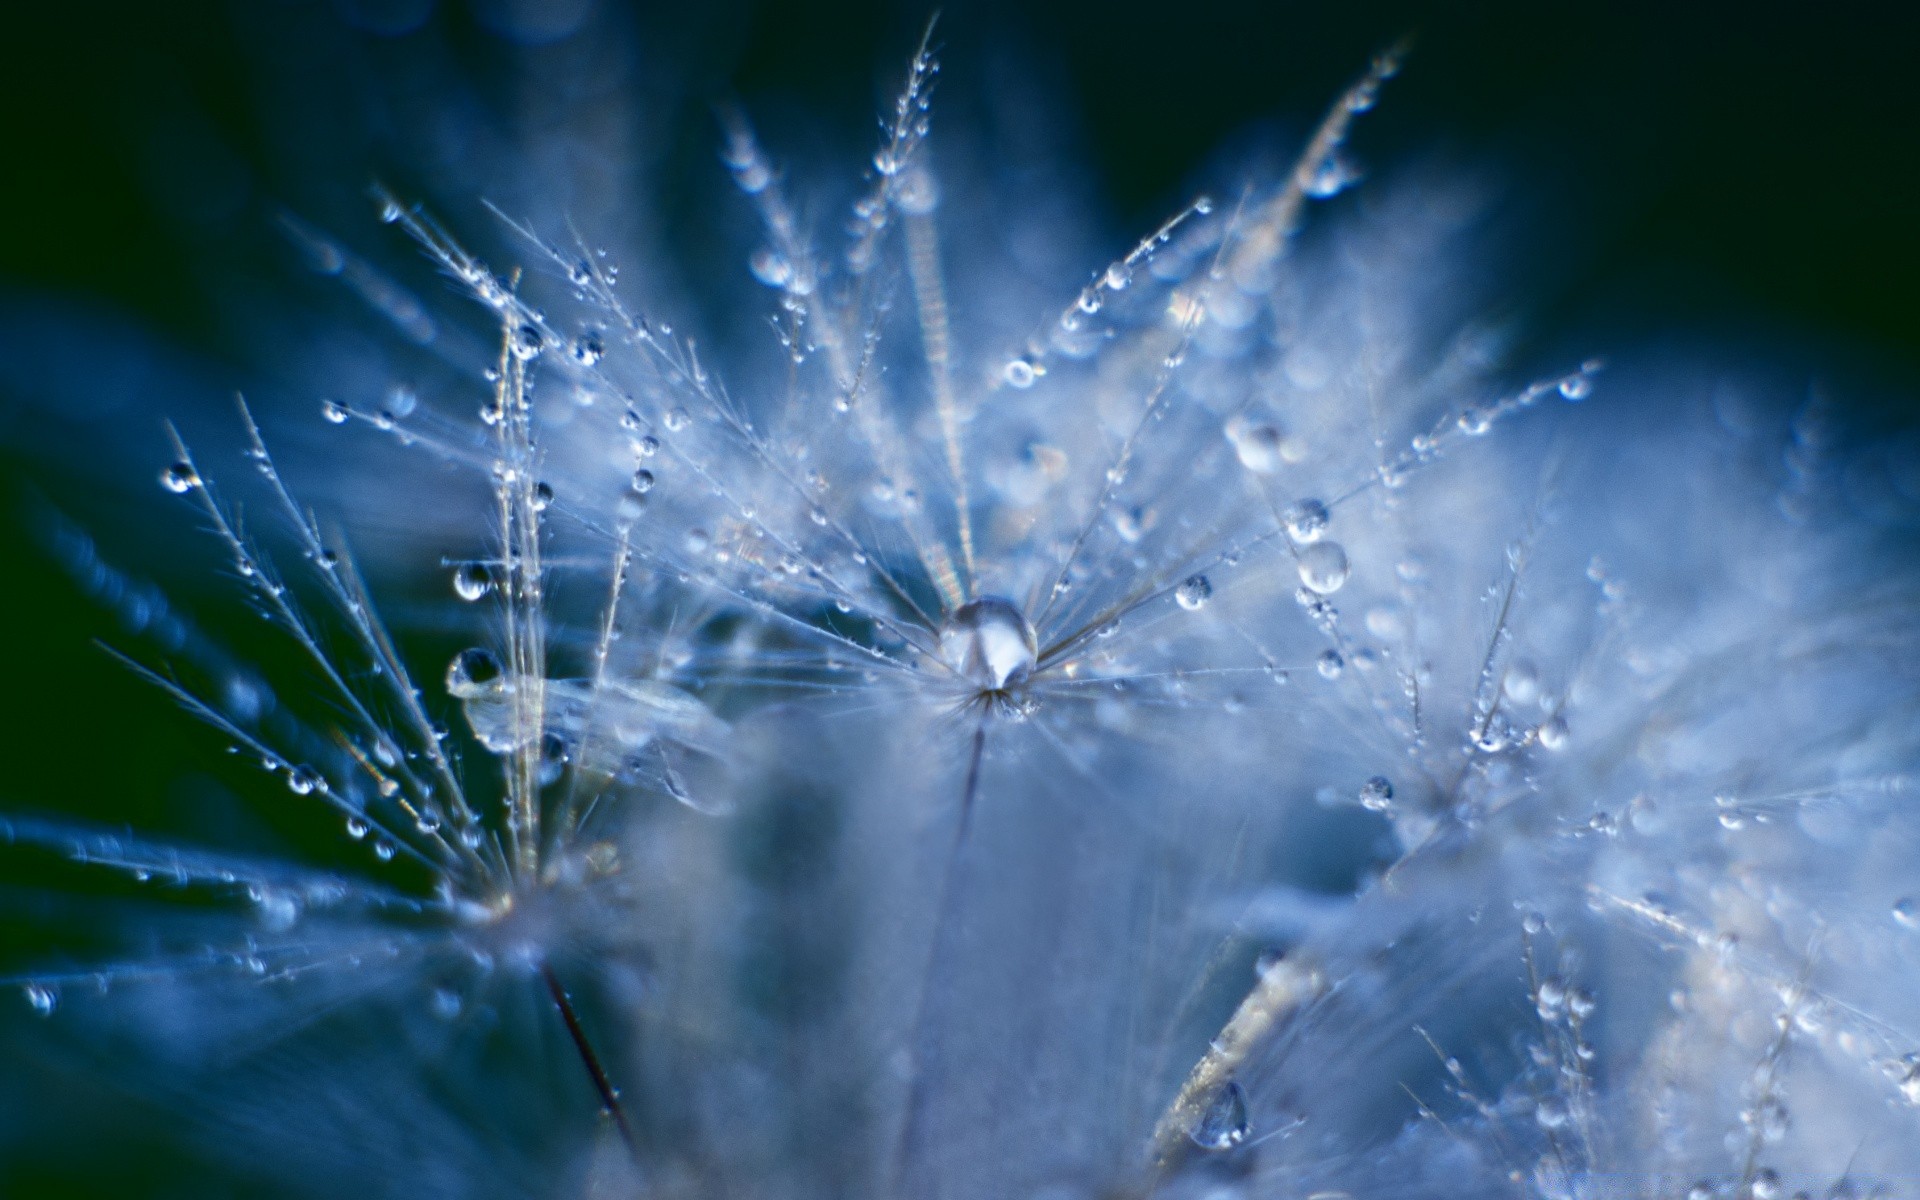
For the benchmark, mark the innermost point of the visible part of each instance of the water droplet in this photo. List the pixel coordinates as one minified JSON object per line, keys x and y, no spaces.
{"x":1018,"y":373}
{"x":588,"y":349}
{"x":527,"y":342}
{"x":383,"y":850}
{"x":180,"y":478}
{"x":771,"y":268}
{"x":428,"y":822}
{"x":1260,"y":446}
{"x":1551,"y":1112}
{"x":1768,"y":1118}
{"x":542,"y":496}
{"x":1576,"y":387}
{"x":303,"y":780}
{"x":1224,"y":1125}
{"x":1333,"y":174}
{"x":1474,"y":421}
{"x":1550,"y":998}
{"x":643,"y":481}
{"x":1376,"y":794}
{"x":470,"y":672}
{"x":1323,"y":567}
{"x":43,"y":998}
{"x":1118,"y":277}
{"x":278,"y":911}
{"x":988,"y":642}
{"x":1906,"y":912}
{"x":1766,"y":1184}
{"x":1553,"y":733}
{"x":676,"y":420}
{"x":1131,"y":523}
{"x":356,"y":828}
{"x":1330,"y":664}
{"x":647,"y":446}
{"x":1521,"y":682}
{"x":471,"y":581}
{"x":334,"y":412}
{"x":1306,"y":521}
{"x":1194,"y":592}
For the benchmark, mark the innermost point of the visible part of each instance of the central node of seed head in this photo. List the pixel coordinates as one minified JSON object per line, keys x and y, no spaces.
{"x":989,"y":643}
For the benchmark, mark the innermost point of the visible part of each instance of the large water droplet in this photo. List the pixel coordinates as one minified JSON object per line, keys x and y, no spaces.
{"x":988,"y":642}
{"x":1260,"y":447}
{"x":1224,"y":1125}
{"x":771,"y":267}
{"x":1552,"y":733}
{"x":470,"y":672}
{"x":1323,"y":567}
{"x":42,"y":998}
{"x":1018,"y":373}
{"x":334,"y":412}
{"x":471,"y":581}
{"x":180,"y":478}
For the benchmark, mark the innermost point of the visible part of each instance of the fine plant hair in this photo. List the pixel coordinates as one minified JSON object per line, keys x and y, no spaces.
{"x":1220,"y":730}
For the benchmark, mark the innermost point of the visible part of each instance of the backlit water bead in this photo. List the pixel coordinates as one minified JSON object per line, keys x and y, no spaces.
{"x":1018,"y":373}
{"x":1306,"y":521}
{"x":180,"y":478}
{"x":303,"y":780}
{"x":1323,"y":567}
{"x":1553,"y":733}
{"x":643,"y":481}
{"x":1330,"y":664}
{"x":471,"y":669}
{"x":1376,"y":794}
{"x":333,"y":412}
{"x":1224,"y":1125}
{"x":1906,"y":912}
{"x":41,"y":998}
{"x":1260,"y":446}
{"x":1194,"y":592}
{"x":989,"y":643}
{"x":471,"y":581}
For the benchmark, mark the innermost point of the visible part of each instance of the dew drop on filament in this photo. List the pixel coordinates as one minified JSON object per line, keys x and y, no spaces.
{"x":180,"y":478}
{"x":1323,"y":567}
{"x":988,"y":642}
{"x":471,"y":581}
{"x":1224,"y":1125}
{"x":1194,"y":592}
